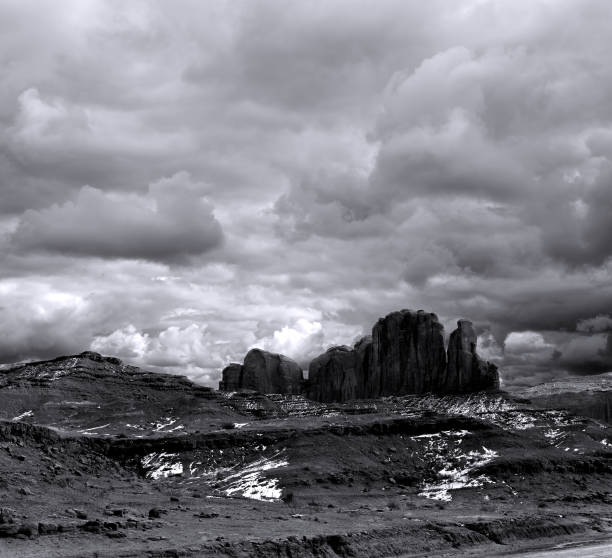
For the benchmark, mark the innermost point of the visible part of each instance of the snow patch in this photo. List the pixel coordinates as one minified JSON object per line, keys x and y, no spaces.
{"x":179,"y":427}
{"x":250,"y":481}
{"x":158,"y":426}
{"x":90,"y":430}
{"x":135,"y":426}
{"x":554,"y":435}
{"x":454,"y":478}
{"x":454,"y":466}
{"x":23,"y":415}
{"x":162,"y":465}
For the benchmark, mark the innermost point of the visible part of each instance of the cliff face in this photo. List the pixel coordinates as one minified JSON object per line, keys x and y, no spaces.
{"x":333,"y":376}
{"x":466,"y":371}
{"x":405,"y":355}
{"x":363,"y":365}
{"x":231,"y":377}
{"x":264,"y":372}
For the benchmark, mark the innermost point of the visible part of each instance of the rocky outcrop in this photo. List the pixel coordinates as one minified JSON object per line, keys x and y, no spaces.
{"x":404,"y":355}
{"x":407,"y":354}
{"x":264,"y":372}
{"x":466,"y":371}
{"x":231,"y":377}
{"x":333,"y":375}
{"x":363,"y":364}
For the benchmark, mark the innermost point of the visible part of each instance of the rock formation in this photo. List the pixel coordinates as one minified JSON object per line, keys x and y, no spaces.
{"x":466,"y":371}
{"x":333,"y":375}
{"x":264,"y":372}
{"x":232,"y":377}
{"x":363,"y":364}
{"x":405,"y":355}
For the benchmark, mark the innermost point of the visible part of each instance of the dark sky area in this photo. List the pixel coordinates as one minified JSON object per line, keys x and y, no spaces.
{"x":181,"y":181}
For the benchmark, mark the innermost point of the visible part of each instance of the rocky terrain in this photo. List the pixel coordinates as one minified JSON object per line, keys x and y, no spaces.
{"x":590,"y":396}
{"x":102,"y":459}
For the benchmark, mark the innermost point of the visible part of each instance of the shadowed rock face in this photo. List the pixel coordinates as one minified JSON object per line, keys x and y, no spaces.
{"x":466,"y":371}
{"x":231,"y":377}
{"x":333,"y":375}
{"x":363,"y":364}
{"x":407,"y":354}
{"x":404,"y":355}
{"x":264,"y":372}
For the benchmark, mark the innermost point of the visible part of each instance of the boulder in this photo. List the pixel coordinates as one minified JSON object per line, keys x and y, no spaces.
{"x":408,"y":354}
{"x":466,"y":371}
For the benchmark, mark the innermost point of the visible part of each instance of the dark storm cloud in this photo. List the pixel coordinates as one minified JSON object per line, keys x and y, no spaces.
{"x":597,"y":324}
{"x":587,"y":355}
{"x":170,"y":222}
{"x":329,"y":162}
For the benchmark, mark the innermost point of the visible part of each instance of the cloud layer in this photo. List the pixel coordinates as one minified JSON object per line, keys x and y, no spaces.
{"x":170,"y":221}
{"x":181,"y":182}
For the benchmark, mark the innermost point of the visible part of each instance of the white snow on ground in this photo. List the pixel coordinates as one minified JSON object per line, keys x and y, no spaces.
{"x":89,"y":430}
{"x":162,"y":465}
{"x":451,"y":433}
{"x":250,"y":481}
{"x":443,"y":449}
{"x":23,"y":415}
{"x":135,"y":426}
{"x":554,"y":435}
{"x":179,"y":427}
{"x":453,"y":478}
{"x":471,"y":405}
{"x":161,"y":425}
{"x":158,"y":426}
{"x":498,"y":410}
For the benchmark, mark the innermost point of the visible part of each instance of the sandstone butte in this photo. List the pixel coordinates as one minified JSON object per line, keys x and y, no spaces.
{"x":404,"y":355}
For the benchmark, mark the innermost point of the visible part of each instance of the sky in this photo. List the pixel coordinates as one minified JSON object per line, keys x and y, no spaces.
{"x":182,"y":181}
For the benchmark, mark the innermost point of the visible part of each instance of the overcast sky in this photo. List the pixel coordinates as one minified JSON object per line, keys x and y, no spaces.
{"x":181,"y":181}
